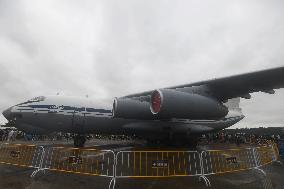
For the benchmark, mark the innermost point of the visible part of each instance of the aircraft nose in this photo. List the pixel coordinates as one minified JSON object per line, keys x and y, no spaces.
{"x":7,"y":114}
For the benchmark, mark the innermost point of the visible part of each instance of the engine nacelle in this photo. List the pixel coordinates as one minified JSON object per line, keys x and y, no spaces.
{"x":131,"y":109}
{"x":167,"y":103}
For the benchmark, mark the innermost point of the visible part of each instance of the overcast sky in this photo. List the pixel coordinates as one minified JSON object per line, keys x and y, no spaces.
{"x":113,"y":48}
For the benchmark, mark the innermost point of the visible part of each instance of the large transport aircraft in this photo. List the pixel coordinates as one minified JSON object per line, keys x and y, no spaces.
{"x":180,"y":113}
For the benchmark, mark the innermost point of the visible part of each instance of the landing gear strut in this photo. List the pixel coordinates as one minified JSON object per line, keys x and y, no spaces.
{"x":193,"y":142}
{"x":79,"y":140}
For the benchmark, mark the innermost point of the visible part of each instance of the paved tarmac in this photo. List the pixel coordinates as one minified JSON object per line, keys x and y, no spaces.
{"x":13,"y":177}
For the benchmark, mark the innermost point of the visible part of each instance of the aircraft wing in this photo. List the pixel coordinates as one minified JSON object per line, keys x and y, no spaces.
{"x":235,"y":86}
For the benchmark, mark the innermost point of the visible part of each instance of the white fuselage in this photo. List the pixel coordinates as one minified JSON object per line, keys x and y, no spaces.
{"x":85,"y":115}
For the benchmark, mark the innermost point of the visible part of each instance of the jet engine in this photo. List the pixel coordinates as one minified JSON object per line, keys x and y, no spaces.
{"x":167,"y":103}
{"x":131,"y":109}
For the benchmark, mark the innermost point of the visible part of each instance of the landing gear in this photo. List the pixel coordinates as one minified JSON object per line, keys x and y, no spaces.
{"x":190,"y":143}
{"x":193,"y":142}
{"x":79,"y":140}
{"x":151,"y":142}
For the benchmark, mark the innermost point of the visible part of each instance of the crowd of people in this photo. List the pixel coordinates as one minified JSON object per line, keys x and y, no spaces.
{"x":8,"y":135}
{"x":212,"y":138}
{"x":13,"y":134}
{"x":240,"y":138}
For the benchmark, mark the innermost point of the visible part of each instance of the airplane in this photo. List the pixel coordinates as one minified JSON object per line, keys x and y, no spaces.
{"x":179,"y":113}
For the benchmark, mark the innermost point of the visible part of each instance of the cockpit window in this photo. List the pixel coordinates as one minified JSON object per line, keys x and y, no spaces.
{"x":37,"y":99}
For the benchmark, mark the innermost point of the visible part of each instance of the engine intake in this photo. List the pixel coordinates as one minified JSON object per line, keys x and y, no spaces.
{"x":167,"y":103}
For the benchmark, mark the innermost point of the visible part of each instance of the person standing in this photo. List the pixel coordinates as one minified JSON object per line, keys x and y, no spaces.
{"x":10,"y":135}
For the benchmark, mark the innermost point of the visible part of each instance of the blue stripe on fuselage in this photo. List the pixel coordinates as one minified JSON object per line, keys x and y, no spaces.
{"x":68,"y":108}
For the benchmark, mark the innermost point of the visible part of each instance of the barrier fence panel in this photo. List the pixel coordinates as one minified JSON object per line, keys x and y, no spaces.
{"x":82,"y":161}
{"x":265,"y":155}
{"x":21,"y":155}
{"x":222,"y":161}
{"x":157,"y":163}
{"x":126,"y":164}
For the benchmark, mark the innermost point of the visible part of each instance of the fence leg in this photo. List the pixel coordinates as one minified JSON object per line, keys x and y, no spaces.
{"x":257,"y":163}
{"x":202,"y":176}
{"x":279,"y":162}
{"x":206,"y":180}
{"x":40,"y":167}
{"x":261,"y":170}
{"x":112,"y":183}
{"x":113,"y":179}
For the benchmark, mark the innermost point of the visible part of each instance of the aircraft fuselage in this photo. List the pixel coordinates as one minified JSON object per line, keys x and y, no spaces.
{"x":83,"y":116}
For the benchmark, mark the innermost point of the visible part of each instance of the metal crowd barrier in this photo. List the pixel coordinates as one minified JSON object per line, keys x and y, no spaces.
{"x":138,"y":164}
{"x":21,"y":155}
{"x":264,"y":155}
{"x":224,"y":161}
{"x":81,"y":161}
{"x":157,"y":163}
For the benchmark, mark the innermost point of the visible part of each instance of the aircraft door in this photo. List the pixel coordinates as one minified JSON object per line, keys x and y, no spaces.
{"x":79,"y":120}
